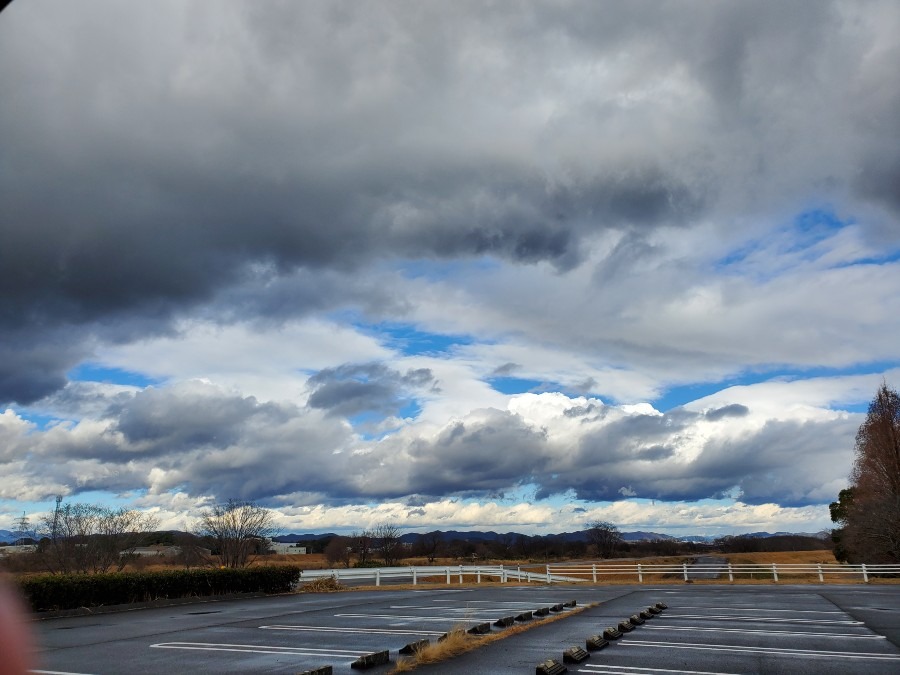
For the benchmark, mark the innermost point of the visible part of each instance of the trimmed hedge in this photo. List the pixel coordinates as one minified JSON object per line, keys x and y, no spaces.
{"x":70,"y":591}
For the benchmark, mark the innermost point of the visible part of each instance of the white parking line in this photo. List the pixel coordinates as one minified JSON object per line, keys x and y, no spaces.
{"x":375,"y":631}
{"x":466,"y":610}
{"x":634,"y":670}
{"x":535,"y":603}
{"x":752,"y":609}
{"x":260,"y":649}
{"x":448,"y":619}
{"x":765,"y":632}
{"x":768,"y":619}
{"x":771,"y":651}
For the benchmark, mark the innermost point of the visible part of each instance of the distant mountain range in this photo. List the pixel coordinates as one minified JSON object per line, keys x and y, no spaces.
{"x":581,"y":535}
{"x":450,"y":535}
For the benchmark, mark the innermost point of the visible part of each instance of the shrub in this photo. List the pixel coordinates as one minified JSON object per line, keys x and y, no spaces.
{"x":70,"y":591}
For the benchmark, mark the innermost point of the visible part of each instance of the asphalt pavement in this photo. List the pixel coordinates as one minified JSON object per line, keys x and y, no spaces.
{"x":706,"y":629}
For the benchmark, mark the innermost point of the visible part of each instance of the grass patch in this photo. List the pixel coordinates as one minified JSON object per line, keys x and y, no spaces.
{"x":458,"y":641}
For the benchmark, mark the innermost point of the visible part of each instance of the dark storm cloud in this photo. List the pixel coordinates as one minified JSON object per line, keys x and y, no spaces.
{"x":352,"y":389}
{"x":492,"y":453}
{"x":31,"y":368}
{"x":193,"y":437}
{"x":733,"y":410}
{"x":786,"y":462}
{"x":505,"y":370}
{"x":174,"y":422}
{"x":155,"y":157}
{"x":203,"y":440}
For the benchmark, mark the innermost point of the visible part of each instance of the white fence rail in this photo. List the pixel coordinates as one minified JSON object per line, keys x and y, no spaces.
{"x":688,"y":571}
{"x":448,"y":574}
{"x":597,"y":573}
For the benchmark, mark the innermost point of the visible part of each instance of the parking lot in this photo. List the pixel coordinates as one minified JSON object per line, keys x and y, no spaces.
{"x":706,"y":629}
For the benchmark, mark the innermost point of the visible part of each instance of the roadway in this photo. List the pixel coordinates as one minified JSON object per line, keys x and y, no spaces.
{"x":707,"y":629}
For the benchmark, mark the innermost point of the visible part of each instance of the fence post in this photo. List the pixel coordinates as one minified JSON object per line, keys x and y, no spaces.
{"x":478,"y":576}
{"x":460,"y":574}
{"x":865,"y":574}
{"x":821,"y":578}
{"x":502,"y":575}
{"x":775,"y":572}
{"x":594,"y":570}
{"x":378,"y":577}
{"x":730,"y":573}
{"x":640,"y":574}
{"x":414,"y":576}
{"x":684,"y":569}
{"x":448,"y":575}
{"x":548,"y":574}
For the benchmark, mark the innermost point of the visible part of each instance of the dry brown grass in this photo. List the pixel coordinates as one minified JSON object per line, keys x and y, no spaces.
{"x":322,"y":585}
{"x":458,"y":641}
{"x":630,"y":577}
{"x":782,"y":558}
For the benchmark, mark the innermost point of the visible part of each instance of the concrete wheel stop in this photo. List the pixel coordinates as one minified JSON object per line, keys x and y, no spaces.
{"x":575,"y":655}
{"x":550,"y":667}
{"x":413,"y":647}
{"x":595,"y":642}
{"x":625,"y":626}
{"x":372,"y":660}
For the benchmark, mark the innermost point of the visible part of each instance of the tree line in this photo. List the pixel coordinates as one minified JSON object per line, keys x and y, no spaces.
{"x":91,"y":538}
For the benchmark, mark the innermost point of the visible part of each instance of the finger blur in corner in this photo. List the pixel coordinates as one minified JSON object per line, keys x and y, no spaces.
{"x":15,"y":633}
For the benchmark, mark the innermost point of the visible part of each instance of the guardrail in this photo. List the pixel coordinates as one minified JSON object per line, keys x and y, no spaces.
{"x":594,"y":573}
{"x":450,"y":574}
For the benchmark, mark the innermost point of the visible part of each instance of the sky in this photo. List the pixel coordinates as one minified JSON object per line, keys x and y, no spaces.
{"x":449,"y":265}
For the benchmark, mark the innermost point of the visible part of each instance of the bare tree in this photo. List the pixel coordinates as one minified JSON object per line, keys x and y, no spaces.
{"x":604,"y":536}
{"x":429,"y":544}
{"x":362,"y":542}
{"x":237,"y":529}
{"x":92,"y":538}
{"x":869,"y":510}
{"x":339,"y":550}
{"x":192,"y":552}
{"x":388,"y":537}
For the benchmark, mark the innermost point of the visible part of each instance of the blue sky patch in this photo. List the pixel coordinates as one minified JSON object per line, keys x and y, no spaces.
{"x":684,"y":394}
{"x":516,"y":385}
{"x":411,"y":341}
{"x":92,"y":372}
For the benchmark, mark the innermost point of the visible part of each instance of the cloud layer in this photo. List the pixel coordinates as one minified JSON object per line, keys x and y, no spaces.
{"x":339,"y":253}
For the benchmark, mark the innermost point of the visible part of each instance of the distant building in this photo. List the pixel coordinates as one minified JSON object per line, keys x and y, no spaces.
{"x":287,"y":548}
{"x":155,"y":551}
{"x":13,"y":549}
